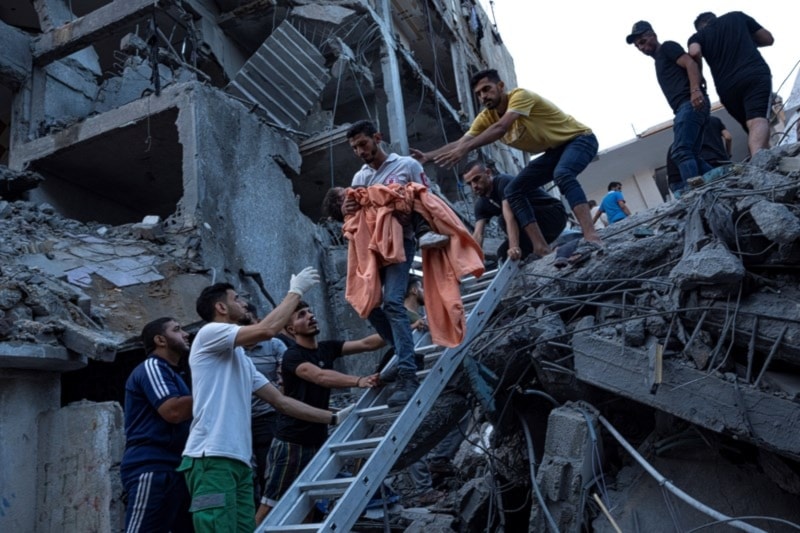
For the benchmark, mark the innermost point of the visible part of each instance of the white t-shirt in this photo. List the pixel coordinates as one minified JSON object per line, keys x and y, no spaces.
{"x":602,"y":221}
{"x":396,"y":169}
{"x":223,"y":380}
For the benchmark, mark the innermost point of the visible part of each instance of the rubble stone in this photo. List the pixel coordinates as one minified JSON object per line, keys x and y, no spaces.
{"x":713,"y":265}
{"x":777,"y":222}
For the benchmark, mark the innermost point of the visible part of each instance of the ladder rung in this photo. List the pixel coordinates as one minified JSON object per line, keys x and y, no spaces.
{"x":486,"y":275}
{"x":433,"y":356}
{"x":295,"y":527}
{"x":355,"y":453}
{"x":388,"y":413}
{"x":428,"y":348}
{"x":473,"y":296}
{"x":361,"y":444}
{"x":481,"y":284}
{"x":331,"y":492}
{"x":339,"y":483}
{"x":369,"y":412}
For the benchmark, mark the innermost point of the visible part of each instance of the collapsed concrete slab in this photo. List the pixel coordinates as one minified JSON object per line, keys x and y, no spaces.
{"x":708,"y":400}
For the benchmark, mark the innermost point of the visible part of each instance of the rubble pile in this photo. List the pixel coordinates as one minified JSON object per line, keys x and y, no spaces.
{"x":687,"y":321}
{"x":63,"y":282}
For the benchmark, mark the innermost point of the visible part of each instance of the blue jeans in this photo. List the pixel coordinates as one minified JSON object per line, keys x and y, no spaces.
{"x":688,"y":141}
{"x":561,"y":165}
{"x":390,"y":320}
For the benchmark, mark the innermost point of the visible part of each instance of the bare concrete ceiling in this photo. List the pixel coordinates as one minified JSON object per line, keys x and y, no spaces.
{"x":144,"y":178}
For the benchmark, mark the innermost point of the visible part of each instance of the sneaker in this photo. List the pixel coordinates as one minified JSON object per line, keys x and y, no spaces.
{"x":433,"y":240}
{"x":404,"y":388}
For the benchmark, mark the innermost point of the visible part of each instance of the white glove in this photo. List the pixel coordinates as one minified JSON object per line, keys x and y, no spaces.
{"x":303,"y":281}
{"x":342,"y":414}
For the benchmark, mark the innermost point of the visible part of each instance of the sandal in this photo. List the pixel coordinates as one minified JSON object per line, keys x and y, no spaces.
{"x":584,"y":251}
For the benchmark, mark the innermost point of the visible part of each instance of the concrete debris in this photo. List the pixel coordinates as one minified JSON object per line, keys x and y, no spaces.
{"x":714,"y":289}
{"x":683,"y":332}
{"x":61,"y":281}
{"x":14,"y":183}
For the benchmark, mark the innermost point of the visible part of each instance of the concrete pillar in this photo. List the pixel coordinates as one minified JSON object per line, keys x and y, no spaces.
{"x":395,"y":108}
{"x":461,"y":74}
{"x":80,"y":449}
{"x":570,"y":458}
{"x":52,"y":13}
{"x":16,"y":59}
{"x":24,"y":396}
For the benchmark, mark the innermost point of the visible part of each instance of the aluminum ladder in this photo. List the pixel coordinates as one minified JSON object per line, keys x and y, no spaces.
{"x":351,"y":440}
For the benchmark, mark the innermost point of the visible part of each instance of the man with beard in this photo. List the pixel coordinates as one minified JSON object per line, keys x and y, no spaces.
{"x":158,"y":412}
{"x":308,"y":376}
{"x":490,"y":201}
{"x":390,"y":319}
{"x":216,"y":459}
{"x":529,"y":122}
{"x":684,"y":88}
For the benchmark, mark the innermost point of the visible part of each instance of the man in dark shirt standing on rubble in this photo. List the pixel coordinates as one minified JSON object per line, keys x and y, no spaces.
{"x":743,"y":80}
{"x":490,"y":191}
{"x":683,"y":86}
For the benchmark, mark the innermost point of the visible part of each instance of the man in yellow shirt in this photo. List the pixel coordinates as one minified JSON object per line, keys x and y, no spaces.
{"x":524,"y":120}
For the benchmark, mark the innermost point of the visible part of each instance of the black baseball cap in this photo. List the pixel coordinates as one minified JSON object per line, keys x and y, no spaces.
{"x":639,"y":28}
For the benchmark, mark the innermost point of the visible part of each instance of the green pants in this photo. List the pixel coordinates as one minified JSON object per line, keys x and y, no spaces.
{"x":222,"y":494}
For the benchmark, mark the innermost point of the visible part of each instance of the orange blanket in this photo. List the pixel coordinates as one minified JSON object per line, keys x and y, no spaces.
{"x":376,"y":239}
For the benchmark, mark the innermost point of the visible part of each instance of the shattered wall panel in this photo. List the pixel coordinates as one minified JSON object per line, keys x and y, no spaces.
{"x":285,"y":77}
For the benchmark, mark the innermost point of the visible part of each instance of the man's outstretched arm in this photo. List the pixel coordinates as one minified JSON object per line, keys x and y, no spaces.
{"x":450,"y":154}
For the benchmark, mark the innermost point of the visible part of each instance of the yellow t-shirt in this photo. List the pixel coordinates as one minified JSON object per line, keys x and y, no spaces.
{"x":541,"y":124}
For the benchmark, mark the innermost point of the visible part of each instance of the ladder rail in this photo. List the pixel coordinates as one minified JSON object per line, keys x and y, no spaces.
{"x":296,"y":503}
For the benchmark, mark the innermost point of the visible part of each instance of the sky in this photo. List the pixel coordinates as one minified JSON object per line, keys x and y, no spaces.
{"x":575,"y":54}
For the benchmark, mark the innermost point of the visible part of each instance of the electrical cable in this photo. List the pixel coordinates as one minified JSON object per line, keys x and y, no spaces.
{"x":754,"y":517}
{"x":672,"y":488}
{"x":333,"y":122}
{"x":531,"y":462}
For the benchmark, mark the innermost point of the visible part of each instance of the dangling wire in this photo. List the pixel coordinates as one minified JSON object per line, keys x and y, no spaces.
{"x":494,"y":19}
{"x":333,"y":120}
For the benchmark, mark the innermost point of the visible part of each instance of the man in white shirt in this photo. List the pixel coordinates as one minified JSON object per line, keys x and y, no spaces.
{"x":216,"y":460}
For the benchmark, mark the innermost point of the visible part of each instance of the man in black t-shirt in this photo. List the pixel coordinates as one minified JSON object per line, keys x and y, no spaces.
{"x":743,"y":80}
{"x":308,"y":376}
{"x":683,"y":85}
{"x":489,"y":189}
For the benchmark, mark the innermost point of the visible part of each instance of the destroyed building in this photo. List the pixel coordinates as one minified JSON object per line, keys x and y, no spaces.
{"x":151,"y":148}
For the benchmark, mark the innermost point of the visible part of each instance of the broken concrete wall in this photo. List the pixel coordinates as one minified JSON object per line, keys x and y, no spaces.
{"x":70,"y":89}
{"x":247,"y":210}
{"x":571,"y":460}
{"x":16,"y":57}
{"x":80,"y":449}
{"x":24,"y":395}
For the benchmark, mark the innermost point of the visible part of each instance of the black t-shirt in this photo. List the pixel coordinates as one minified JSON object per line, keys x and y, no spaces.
{"x":728,"y":47}
{"x":713,"y":151}
{"x":492,"y":206}
{"x":672,"y":77}
{"x":292,"y":429}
